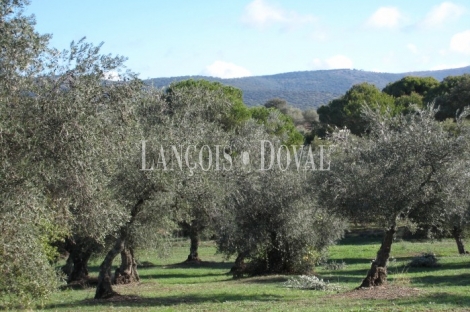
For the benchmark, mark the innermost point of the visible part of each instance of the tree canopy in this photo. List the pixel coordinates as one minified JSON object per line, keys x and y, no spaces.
{"x":346,"y":111}
{"x":370,"y":177}
{"x":409,"y":85}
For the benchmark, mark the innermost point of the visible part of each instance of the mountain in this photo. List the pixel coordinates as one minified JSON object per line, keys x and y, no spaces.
{"x":306,"y":89}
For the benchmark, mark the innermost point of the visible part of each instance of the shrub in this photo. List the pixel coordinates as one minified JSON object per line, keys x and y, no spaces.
{"x":424,"y":260}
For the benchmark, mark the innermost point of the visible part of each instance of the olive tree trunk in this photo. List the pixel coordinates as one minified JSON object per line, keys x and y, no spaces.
{"x":194,"y":245}
{"x":377,"y":274}
{"x":105,"y":279}
{"x":276,"y":257}
{"x":127,"y":272}
{"x":457,"y":234}
{"x":104,"y":289}
{"x":80,"y":251}
{"x":192,"y":229}
{"x":80,"y":259}
{"x":239,"y":268}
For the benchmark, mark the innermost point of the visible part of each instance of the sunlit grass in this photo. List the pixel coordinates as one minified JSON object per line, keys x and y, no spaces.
{"x":169,"y":287}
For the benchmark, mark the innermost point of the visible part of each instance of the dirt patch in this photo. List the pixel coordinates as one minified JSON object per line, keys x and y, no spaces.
{"x":117,"y":298}
{"x":386,"y":292}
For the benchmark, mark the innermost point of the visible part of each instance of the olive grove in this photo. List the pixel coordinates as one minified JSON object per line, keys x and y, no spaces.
{"x":407,"y":165}
{"x":92,"y":165}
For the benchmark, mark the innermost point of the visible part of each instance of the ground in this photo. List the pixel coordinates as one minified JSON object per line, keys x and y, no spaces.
{"x":168,"y":285}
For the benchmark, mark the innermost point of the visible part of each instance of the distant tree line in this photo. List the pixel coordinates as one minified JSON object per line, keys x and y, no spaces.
{"x":449,"y":97}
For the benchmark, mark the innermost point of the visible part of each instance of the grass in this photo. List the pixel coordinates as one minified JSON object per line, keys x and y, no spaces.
{"x":206,"y":287}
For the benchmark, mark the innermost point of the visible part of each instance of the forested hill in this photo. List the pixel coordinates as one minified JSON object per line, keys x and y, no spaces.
{"x":308,"y":88}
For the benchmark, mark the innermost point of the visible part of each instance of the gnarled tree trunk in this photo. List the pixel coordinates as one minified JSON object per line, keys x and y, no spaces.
{"x":194,"y":246}
{"x":127,"y":272}
{"x":239,"y":268}
{"x":276,"y":258}
{"x":192,"y":229}
{"x":377,"y":274}
{"x":80,"y":259}
{"x":457,"y":234}
{"x":105,"y":278}
{"x":80,"y":250}
{"x":104,"y":289}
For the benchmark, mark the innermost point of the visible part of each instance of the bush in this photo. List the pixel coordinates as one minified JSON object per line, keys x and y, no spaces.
{"x":310,"y":282}
{"x":424,"y":260}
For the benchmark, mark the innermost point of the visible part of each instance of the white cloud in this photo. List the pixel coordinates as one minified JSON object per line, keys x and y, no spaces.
{"x":226,"y":70}
{"x":412,"y":48}
{"x":385,"y":17}
{"x":260,"y":13}
{"x":339,"y":61}
{"x":442,"y":13}
{"x":334,"y":62}
{"x":318,"y":64}
{"x":461,"y":42}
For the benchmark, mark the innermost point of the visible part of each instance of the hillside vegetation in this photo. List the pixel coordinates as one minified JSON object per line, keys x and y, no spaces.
{"x":308,"y":89}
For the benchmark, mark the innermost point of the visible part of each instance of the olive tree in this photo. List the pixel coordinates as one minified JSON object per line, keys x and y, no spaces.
{"x":225,"y":111}
{"x":62,"y":128}
{"x":457,"y":218}
{"x":403,"y":167}
{"x":165,"y":172}
{"x":270,"y":217}
{"x":57,"y":117}
{"x":25,"y":222}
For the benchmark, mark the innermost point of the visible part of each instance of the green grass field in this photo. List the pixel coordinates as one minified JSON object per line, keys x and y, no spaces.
{"x":206,"y":287}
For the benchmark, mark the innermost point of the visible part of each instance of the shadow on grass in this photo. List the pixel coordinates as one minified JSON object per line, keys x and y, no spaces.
{"x":137,"y":301}
{"x":201,"y":265}
{"x":178,"y":275}
{"x":349,"y":261}
{"x":359,"y":240}
{"x":427,"y":281}
{"x":443,"y":280}
{"x":93,"y":269}
{"x":452,"y":300}
{"x":189,"y":265}
{"x":178,"y":270}
{"x":263,"y":280}
{"x":441,"y":267}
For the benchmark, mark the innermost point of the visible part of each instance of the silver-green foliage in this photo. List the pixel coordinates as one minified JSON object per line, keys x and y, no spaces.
{"x":59,"y":124}
{"x":170,"y":190}
{"x":24,"y":217}
{"x":406,"y":167}
{"x":269,"y":215}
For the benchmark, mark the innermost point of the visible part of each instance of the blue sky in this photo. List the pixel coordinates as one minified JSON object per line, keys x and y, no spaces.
{"x":261,"y":37}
